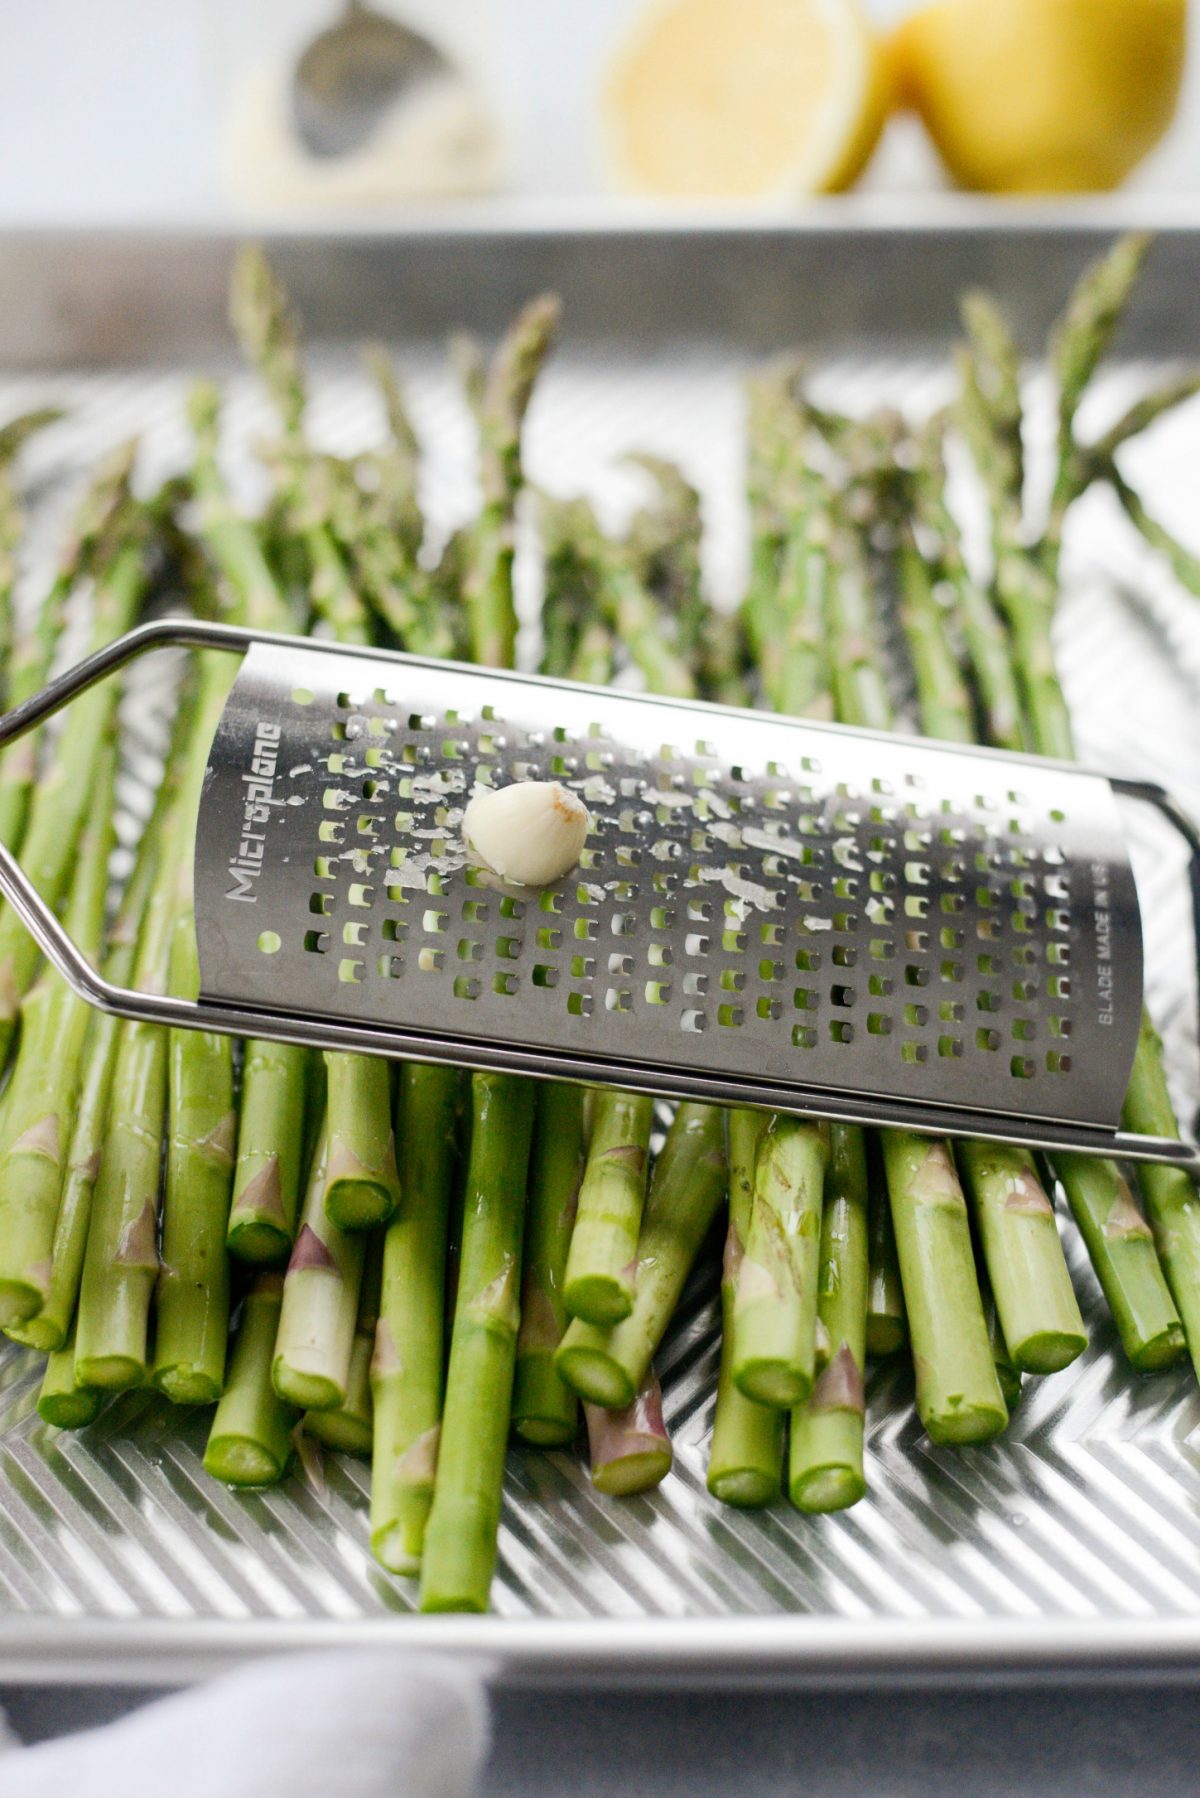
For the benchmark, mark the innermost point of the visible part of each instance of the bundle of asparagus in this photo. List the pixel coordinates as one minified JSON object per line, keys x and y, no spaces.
{"x":416,"y":1262}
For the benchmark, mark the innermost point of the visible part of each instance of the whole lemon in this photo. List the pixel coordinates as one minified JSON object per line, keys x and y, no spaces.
{"x":1042,"y":96}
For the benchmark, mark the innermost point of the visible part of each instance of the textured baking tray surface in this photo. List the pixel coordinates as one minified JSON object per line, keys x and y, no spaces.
{"x":1089,"y":1507}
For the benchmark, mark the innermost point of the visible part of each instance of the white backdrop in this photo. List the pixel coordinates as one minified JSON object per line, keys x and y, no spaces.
{"x":111,"y":110}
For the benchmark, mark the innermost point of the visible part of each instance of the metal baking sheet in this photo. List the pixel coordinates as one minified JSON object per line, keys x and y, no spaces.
{"x":1073,"y":1540}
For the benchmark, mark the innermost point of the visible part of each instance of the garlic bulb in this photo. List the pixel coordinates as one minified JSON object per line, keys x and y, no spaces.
{"x":532,"y":832}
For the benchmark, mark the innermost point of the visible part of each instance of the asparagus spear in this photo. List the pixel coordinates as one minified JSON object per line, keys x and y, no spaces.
{"x":250,"y":1442}
{"x":775,"y":1298}
{"x":487,"y":587}
{"x":40,"y":1101}
{"x":348,"y":1426}
{"x":607,"y":1366}
{"x":744,"y":1463}
{"x":1169,"y":1192}
{"x":1078,"y":344}
{"x":320,"y":1302}
{"x":982,"y":630}
{"x":192,"y":1297}
{"x":1007,"y":1372}
{"x":362,"y":1186}
{"x":1035,"y":1301}
{"x":62,"y":1401}
{"x":266,"y":1195}
{"x":887,"y":1322}
{"x":61,"y":800}
{"x":406,"y":1370}
{"x":942,"y":696}
{"x":1121,"y":1248}
{"x":459,"y":1552}
{"x":958,"y":1394}
{"x":27,"y":667}
{"x":825,"y":1471}
{"x":629,"y":1450}
{"x":544,"y":1410}
{"x":48,"y":1328}
{"x":601,"y":1263}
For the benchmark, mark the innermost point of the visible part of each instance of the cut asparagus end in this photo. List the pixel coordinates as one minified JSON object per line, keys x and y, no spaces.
{"x":71,"y":1410}
{"x":1047,"y":1351}
{"x":780,"y":1384}
{"x":632,"y":1473}
{"x":358,"y":1204}
{"x":1156,"y":1352}
{"x":308,"y":1391}
{"x":397,"y":1547}
{"x":242,"y":1461}
{"x":340,"y":1431}
{"x":260,"y":1242}
{"x":886,"y":1335}
{"x":595,"y":1376}
{"x":19,"y":1301}
{"x":545,"y":1432}
{"x":187,"y":1385}
{"x":113,"y":1373}
{"x":958,"y":1422}
{"x":745,"y":1488}
{"x":823,"y":1489}
{"x":545,"y":1411}
{"x":599,"y":1299}
{"x":44,"y":1333}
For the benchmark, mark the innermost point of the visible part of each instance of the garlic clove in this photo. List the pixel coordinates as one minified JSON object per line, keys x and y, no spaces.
{"x":531,"y":832}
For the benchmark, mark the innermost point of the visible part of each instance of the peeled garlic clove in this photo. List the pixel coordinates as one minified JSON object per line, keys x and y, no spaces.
{"x":532,"y":832}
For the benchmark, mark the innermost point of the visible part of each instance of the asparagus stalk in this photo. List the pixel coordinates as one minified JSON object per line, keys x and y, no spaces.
{"x":459,"y":1552}
{"x":487,"y":587}
{"x":362,"y":1186}
{"x":320,"y":1302}
{"x":250,"y":1442}
{"x":1077,"y":346}
{"x":629,"y":1450}
{"x":825,"y":1469}
{"x":665,"y":541}
{"x":775,"y":1297}
{"x":958,"y":1394}
{"x":1121,"y":1248}
{"x":406,"y":1369}
{"x":61,"y":801}
{"x":942,"y":696}
{"x":348,"y":1427}
{"x":745,"y":1460}
{"x":48,"y":1328}
{"x":62,"y":1401}
{"x":192,"y":1298}
{"x":27,"y":667}
{"x":1007,"y":1372}
{"x":599,"y":1282}
{"x":1116,"y":1236}
{"x":41,"y":1097}
{"x":1169,"y":1192}
{"x":608,"y":1366}
{"x":887,"y":1321}
{"x":1036,"y":1303}
{"x":545,"y":1410}
{"x":982,"y":631}
{"x":121,"y":1261}
{"x":266,"y":1194}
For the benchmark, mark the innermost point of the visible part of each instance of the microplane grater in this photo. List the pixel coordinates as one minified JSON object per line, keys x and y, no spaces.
{"x":767,"y":911}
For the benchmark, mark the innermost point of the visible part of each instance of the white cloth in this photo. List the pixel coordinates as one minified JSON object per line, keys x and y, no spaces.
{"x":355,"y":1723}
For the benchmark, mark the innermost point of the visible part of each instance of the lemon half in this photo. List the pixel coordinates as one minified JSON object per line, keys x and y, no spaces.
{"x":1042,"y":96}
{"x":713,"y":100}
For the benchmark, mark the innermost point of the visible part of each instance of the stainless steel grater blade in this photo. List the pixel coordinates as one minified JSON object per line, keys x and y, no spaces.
{"x":768,"y":911}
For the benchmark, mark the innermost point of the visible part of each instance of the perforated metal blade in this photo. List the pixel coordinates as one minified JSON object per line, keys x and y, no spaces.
{"x":767,"y":911}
